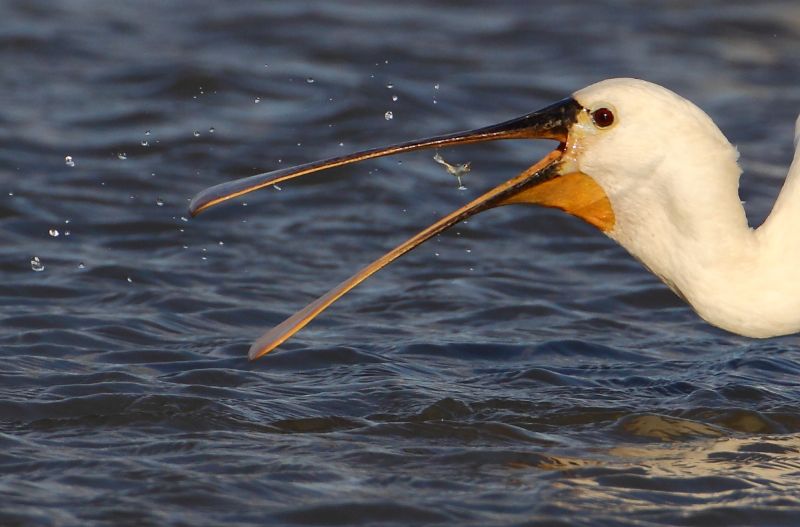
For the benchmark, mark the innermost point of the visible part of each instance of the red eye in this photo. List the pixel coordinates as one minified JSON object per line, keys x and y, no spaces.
{"x":603,"y":117}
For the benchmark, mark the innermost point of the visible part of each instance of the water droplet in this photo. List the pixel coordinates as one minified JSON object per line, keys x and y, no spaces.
{"x":257,"y":100}
{"x":437,"y":254}
{"x":147,"y":132}
{"x":469,"y":250}
{"x":388,"y":116}
{"x":310,"y":80}
{"x":184,"y":218}
{"x":221,"y":242}
{"x":36,"y":264}
{"x":196,"y":133}
{"x":67,"y":233}
{"x":159,"y":202}
{"x":276,"y":187}
{"x":11,"y":194}
{"x":130,"y":280}
{"x":436,"y":86}
{"x":122,"y":155}
{"x":211,"y":130}
{"x":54,"y":233}
{"x":81,"y":265}
{"x":390,"y":85}
{"x":145,"y":142}
{"x":341,"y":144}
{"x":394,"y":98}
{"x":69,"y":161}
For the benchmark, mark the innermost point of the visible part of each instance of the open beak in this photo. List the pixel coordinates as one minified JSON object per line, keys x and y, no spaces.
{"x":550,"y":182}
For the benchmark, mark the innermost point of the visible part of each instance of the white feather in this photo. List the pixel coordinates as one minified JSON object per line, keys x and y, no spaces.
{"x":672,"y":179}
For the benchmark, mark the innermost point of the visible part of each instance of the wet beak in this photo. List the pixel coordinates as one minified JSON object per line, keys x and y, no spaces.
{"x":548,"y":182}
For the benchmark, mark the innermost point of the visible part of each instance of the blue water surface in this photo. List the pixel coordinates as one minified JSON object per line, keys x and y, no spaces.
{"x":520,"y":369}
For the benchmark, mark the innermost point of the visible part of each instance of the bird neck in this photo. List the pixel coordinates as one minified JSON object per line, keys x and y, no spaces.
{"x":698,"y":241}
{"x":779,"y":231}
{"x":694,"y":235}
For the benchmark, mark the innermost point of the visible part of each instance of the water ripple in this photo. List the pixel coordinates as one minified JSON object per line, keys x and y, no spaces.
{"x":518,"y":370}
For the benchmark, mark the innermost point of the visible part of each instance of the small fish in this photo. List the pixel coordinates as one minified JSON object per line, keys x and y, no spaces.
{"x":458,"y":171}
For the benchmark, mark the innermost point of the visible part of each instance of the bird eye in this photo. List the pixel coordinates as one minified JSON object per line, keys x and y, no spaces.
{"x":603,"y":117}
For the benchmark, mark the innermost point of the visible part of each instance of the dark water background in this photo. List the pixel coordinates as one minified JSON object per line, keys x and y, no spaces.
{"x":519,"y":370}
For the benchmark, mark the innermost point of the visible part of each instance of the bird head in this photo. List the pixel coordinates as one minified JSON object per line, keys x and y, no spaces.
{"x":621,"y":144}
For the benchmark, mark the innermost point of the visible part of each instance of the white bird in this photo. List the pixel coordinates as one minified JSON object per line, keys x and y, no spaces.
{"x":649,"y":169}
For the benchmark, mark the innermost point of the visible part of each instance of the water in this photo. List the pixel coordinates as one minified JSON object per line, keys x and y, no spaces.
{"x":518,"y":370}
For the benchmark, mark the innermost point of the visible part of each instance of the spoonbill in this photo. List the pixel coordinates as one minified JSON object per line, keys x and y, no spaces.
{"x":646,"y":167}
